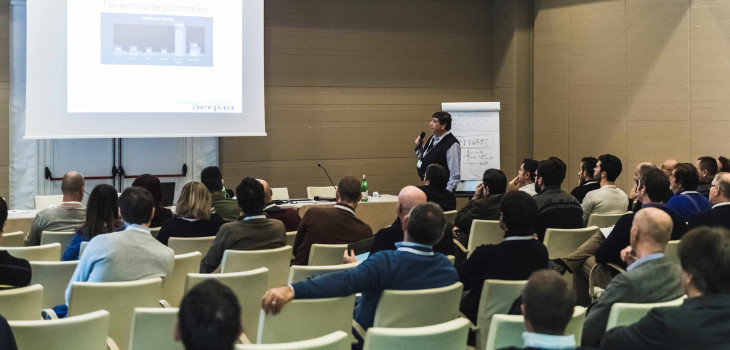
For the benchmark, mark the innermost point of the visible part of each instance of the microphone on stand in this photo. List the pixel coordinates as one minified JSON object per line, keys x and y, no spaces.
{"x":420,"y":141}
{"x":328,"y":175}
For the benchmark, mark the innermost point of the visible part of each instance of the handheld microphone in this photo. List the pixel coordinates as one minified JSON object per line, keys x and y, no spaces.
{"x":420,"y":140}
{"x":328,"y":175}
{"x":325,"y":199}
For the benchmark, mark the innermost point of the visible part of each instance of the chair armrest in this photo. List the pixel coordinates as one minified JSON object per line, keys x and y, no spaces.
{"x":110,"y":344}
{"x":165,"y":304}
{"x":358,"y":329}
{"x":591,"y":286}
{"x":616,"y":267}
{"x":49,"y":314}
{"x":461,"y":246}
{"x":244,"y":339}
{"x":472,"y":326}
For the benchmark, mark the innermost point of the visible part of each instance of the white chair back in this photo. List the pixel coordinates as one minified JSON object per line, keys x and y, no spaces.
{"x":484,"y":232}
{"x":279,"y":193}
{"x":12,"y":239}
{"x":303,"y":319}
{"x":300,"y":272}
{"x":562,"y":241}
{"x":603,"y":220}
{"x":87,"y":331}
{"x":49,"y":252}
{"x":23,"y":303}
{"x":54,"y":277}
{"x":154,"y":231}
{"x":417,"y":308}
{"x":497,"y":298}
{"x":43,"y":202}
{"x":290,"y":237}
{"x":277,"y":260}
{"x":249,"y":287}
{"x":624,"y":314}
{"x":173,"y":286}
{"x":326,"y":254}
{"x":670,"y":252}
{"x":448,"y":335}
{"x":450,"y":216}
{"x":321,"y":191}
{"x":82,"y":248}
{"x":337,"y":340}
{"x":153,"y":329}
{"x":61,"y":237}
{"x":506,"y":330}
{"x":183,"y":245}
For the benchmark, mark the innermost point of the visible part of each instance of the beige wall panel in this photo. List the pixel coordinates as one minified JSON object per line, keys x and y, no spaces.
{"x":656,"y":141}
{"x":596,"y":137}
{"x":709,"y":138}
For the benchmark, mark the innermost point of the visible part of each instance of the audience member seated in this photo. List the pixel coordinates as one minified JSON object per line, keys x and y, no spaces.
{"x":7,"y":340}
{"x":650,"y":278}
{"x":194,"y":216}
{"x":701,"y":322}
{"x":252,"y":232}
{"x":226,"y":207}
{"x":128,"y":255}
{"x":484,"y":205}
{"x":525,"y":179}
{"x":332,"y":225}
{"x":608,"y":199}
{"x":634,"y":203}
{"x":548,"y":304}
{"x":585,"y":177}
{"x":723,"y":164}
{"x":706,"y":169}
{"x":515,"y":258}
{"x":68,"y":216}
{"x":14,"y":272}
{"x":102,"y":216}
{"x":289,"y":216}
{"x":437,"y":178}
{"x":555,"y":207}
{"x":152,"y":183}
{"x":686,"y":200}
{"x":719,"y":215}
{"x":668,"y":166}
{"x":209,"y":318}
{"x":412,"y":266}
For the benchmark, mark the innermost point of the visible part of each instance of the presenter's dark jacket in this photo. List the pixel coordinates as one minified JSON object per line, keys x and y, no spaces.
{"x":701,"y":322}
{"x":437,"y":154}
{"x":486,"y":208}
{"x":330,"y":225}
{"x":719,"y":215}
{"x":441,"y":196}
{"x":289,"y":216}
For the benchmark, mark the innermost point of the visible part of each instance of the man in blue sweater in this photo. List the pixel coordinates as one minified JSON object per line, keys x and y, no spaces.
{"x":413,"y":265}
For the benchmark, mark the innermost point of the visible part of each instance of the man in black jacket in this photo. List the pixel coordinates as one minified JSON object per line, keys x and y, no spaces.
{"x":484,"y":205}
{"x":719,"y":215}
{"x":437,"y":178}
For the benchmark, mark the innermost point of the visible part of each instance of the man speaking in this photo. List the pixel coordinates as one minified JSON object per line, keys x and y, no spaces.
{"x":441,"y":148}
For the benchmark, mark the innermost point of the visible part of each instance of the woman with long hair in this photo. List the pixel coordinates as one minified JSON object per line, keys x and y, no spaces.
{"x":102,"y":216}
{"x":152,"y":183}
{"x":194,"y":216}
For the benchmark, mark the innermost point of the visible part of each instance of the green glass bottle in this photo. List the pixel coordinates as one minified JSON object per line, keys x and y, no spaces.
{"x":364,"y":189}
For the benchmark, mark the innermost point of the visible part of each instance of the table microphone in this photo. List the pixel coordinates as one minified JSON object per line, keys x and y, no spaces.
{"x":328,"y":175}
{"x":420,"y":140}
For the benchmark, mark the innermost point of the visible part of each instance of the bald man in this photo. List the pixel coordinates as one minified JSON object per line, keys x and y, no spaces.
{"x":719,"y":215}
{"x":408,"y":198}
{"x":669,"y":165}
{"x":289,"y":216}
{"x":650,"y":278}
{"x":68,"y":216}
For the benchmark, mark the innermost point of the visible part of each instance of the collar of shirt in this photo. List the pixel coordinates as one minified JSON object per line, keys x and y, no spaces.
{"x":720,"y":204}
{"x":689,"y":192}
{"x":644,"y":259}
{"x":269,"y":206}
{"x":345,"y":207}
{"x":136,"y":227}
{"x":188,"y":219}
{"x":589,"y":182}
{"x":73,"y":204}
{"x":609,"y":187}
{"x":653,"y":205}
{"x":547,"y":341}
{"x":415,"y":248}
{"x":253,"y":217}
{"x":436,"y":139}
{"x":519,"y":238}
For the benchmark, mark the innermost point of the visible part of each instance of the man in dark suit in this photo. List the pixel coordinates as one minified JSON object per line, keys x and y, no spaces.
{"x":484,"y":205}
{"x":437,"y":177}
{"x":703,"y":320}
{"x":650,"y":278}
{"x":719,"y":215}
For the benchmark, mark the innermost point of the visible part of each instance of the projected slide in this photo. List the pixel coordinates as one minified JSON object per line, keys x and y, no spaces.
{"x":154,"y":56}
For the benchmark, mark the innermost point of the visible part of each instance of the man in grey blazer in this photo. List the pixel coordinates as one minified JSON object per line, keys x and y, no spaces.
{"x":649,"y":278}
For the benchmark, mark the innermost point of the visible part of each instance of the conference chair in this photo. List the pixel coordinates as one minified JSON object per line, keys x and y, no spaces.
{"x":49,"y":252}
{"x":249,"y":287}
{"x":595,"y":291}
{"x":321,"y":191}
{"x":279,"y":193}
{"x":326,"y":254}
{"x":562,"y":241}
{"x":497,"y":298}
{"x":43,"y":202}
{"x":82,"y":247}
{"x":22,"y":303}
{"x":447,"y":335}
{"x":625,"y":314}
{"x":670,"y":252}
{"x":119,"y":298}
{"x":299,"y":273}
{"x":276,"y":260}
{"x":604,"y":220}
{"x":290,"y":237}
{"x":182,"y":245}
{"x":154,"y":231}
{"x":484,"y":232}
{"x":61,"y":237}
{"x":153,"y":329}
{"x":54,"y":277}
{"x":173,"y":286}
{"x":12,"y":239}
{"x":303,"y":319}
{"x":450,"y":216}
{"x":337,"y":340}
{"x":506,"y":330}
{"x":88,"y":331}
{"x":417,"y":308}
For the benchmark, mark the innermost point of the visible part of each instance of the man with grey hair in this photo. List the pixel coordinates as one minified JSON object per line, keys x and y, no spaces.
{"x":719,"y":215}
{"x":68,"y":216}
{"x":408,"y":198}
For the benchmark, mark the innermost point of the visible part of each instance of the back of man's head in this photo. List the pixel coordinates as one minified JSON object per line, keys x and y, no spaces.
{"x":686,"y":175}
{"x":587,"y":164}
{"x":136,"y":205}
{"x":495,"y":180}
{"x":250,"y":196}
{"x":426,"y":224}
{"x":519,"y":213}
{"x":704,"y":254}
{"x":547,"y":303}
{"x":349,"y":189}
{"x":72,"y":183}
{"x":651,"y":226}
{"x":552,"y":172}
{"x":268,"y":192}
{"x":655,"y":182}
{"x":209,"y":317}
{"x":408,"y":198}
{"x":212,"y":178}
{"x":723,"y":188}
{"x":3,"y":213}
{"x":708,"y":164}
{"x":437,"y":176}
{"x":529,"y":166}
{"x":611,"y":165}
